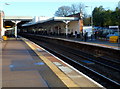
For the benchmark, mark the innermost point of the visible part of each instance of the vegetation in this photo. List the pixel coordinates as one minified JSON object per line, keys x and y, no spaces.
{"x":105,"y":18}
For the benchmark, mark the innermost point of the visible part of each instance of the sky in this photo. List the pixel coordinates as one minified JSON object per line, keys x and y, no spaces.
{"x":48,"y":7}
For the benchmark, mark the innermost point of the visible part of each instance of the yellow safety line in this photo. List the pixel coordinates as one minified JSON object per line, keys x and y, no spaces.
{"x":66,"y":80}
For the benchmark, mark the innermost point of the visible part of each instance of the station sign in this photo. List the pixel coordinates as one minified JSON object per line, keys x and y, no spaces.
{"x":113,"y":26}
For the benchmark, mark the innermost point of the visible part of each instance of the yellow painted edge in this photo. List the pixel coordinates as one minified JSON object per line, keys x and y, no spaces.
{"x":66,"y":80}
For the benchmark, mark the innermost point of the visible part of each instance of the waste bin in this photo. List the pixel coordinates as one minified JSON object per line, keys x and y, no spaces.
{"x":4,"y":37}
{"x":113,"y":39}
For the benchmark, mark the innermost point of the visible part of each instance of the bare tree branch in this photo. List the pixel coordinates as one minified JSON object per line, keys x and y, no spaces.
{"x":63,"y":11}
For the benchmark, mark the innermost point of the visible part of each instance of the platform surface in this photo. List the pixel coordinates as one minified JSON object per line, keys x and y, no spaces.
{"x":25,"y":64}
{"x":19,"y":68}
{"x":98,"y":42}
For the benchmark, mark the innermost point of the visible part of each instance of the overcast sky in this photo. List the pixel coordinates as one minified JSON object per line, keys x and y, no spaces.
{"x":48,"y":7}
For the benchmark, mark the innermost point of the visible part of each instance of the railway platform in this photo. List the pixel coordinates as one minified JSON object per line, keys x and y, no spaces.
{"x":99,"y":42}
{"x":25,"y":64}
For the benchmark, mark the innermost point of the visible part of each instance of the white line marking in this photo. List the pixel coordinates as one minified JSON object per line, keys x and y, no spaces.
{"x":65,"y":69}
{"x":39,"y":50}
{"x":57,"y":64}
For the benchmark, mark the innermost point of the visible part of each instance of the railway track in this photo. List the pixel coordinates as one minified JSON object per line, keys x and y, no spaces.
{"x":115,"y":65}
{"x":74,"y":57}
{"x":110,"y":64}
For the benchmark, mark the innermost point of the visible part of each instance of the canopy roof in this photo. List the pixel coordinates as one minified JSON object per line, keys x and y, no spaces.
{"x":52,"y":19}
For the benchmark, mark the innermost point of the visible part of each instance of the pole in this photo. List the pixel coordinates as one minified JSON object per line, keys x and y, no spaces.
{"x":15,"y":30}
{"x":91,"y":17}
{"x":91,"y":20}
{"x":118,"y":37}
{"x":66,"y":27}
{"x":0,"y":24}
{"x":16,"y":22}
{"x":93,"y":36}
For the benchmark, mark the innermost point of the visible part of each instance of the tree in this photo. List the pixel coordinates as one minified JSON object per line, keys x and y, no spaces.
{"x":86,"y":21}
{"x":105,"y":18}
{"x":77,"y":8}
{"x":73,"y":9}
{"x":63,"y":11}
{"x":98,"y":16}
{"x":69,"y":10}
{"x":81,"y":7}
{"x":115,"y":17}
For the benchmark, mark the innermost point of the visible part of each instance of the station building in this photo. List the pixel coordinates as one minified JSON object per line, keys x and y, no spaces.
{"x":54,"y":25}
{"x":69,"y":25}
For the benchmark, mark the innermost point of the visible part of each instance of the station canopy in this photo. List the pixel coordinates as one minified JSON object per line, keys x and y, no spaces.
{"x":53,"y":19}
{"x":21,"y":18}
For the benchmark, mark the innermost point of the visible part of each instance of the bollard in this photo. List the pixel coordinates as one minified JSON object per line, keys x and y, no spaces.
{"x":4,"y":37}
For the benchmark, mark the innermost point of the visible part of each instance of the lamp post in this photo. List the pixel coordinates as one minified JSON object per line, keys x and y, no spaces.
{"x":91,"y":16}
{"x":91,"y":21}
